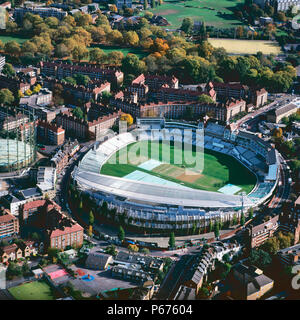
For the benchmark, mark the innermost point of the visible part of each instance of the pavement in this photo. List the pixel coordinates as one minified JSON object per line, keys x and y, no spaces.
{"x":103,"y":281}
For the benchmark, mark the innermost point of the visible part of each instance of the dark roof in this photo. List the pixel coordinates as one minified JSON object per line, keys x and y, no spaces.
{"x":284,"y":109}
{"x":30,"y":192}
{"x":97,"y":260}
{"x":271,"y":157}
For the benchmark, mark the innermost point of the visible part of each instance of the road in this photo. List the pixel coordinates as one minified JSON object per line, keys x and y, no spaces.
{"x":254,"y":116}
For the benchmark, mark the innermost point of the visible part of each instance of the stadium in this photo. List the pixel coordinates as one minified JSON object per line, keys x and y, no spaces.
{"x":239,"y":171}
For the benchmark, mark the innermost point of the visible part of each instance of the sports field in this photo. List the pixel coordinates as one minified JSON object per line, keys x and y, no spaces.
{"x":215,"y":13}
{"x":37,"y":290}
{"x":236,"y":46}
{"x":137,"y":162}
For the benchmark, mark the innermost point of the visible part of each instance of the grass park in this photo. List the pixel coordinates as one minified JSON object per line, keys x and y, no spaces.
{"x":217,"y":13}
{"x":36,"y":290}
{"x":219,"y":169}
{"x":107,"y":49}
{"x":18,"y":39}
{"x":236,"y":46}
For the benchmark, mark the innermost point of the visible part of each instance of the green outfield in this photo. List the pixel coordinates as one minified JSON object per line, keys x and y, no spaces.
{"x":219,"y":169}
{"x":215,"y":13}
{"x":37,"y":290}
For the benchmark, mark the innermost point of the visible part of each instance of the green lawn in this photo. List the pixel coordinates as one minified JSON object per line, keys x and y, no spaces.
{"x":107,"y":49}
{"x":219,"y":169}
{"x":215,"y":13}
{"x":37,"y":290}
{"x":20,"y":40}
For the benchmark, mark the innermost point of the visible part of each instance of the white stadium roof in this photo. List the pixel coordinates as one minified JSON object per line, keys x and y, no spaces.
{"x":151,"y":193}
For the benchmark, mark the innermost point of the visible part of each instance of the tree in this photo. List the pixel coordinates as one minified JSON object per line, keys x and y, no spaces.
{"x":115,"y":37}
{"x":8,"y":70}
{"x":205,"y":99}
{"x":145,"y":4}
{"x":131,"y":64}
{"x":28,"y":92}
{"x":12,"y":48}
{"x":234,"y":220}
{"x":260,"y":258}
{"x":115,"y":58}
{"x":131,"y":38}
{"x":105,"y":97}
{"x":37,"y":88}
{"x":226,"y":258}
{"x":187,"y":25}
{"x":81,"y":79}
{"x":251,"y":213}
{"x":111,"y":250}
{"x":281,"y":16}
{"x":242,"y":222}
{"x":35,"y":236}
{"x":172,"y":240}
{"x":53,"y":254}
{"x":91,"y":222}
{"x":277,"y":132}
{"x":217,"y":229}
{"x":128,"y":118}
{"x":121,"y":234}
{"x":97,"y":55}
{"x":133,"y":248}
{"x":6,"y":97}
{"x":80,"y":52}
{"x":70,"y":80}
{"x":145,"y":251}
{"x":211,"y":226}
{"x":78,"y":113}
{"x":271,"y":246}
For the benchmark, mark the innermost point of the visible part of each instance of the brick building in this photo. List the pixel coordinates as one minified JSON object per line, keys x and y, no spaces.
{"x":290,"y":222}
{"x":176,"y":109}
{"x":59,"y":230}
{"x":83,"y":129}
{"x":275,"y":115}
{"x":230,"y":90}
{"x":93,"y":90}
{"x":50,"y":133}
{"x":9,"y":224}
{"x":12,"y":122}
{"x":155,"y":82}
{"x":289,"y":256}
{"x":249,"y":282}
{"x":257,"y":235}
{"x":63,"y":70}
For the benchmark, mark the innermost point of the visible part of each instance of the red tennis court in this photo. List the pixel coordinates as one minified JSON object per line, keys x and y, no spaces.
{"x":58,"y":274}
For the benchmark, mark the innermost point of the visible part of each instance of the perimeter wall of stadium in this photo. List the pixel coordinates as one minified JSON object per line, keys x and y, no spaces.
{"x":164,"y":215}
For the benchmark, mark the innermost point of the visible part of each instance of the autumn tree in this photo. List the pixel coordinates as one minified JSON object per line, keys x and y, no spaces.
{"x":128,"y":118}
{"x":131,"y":38}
